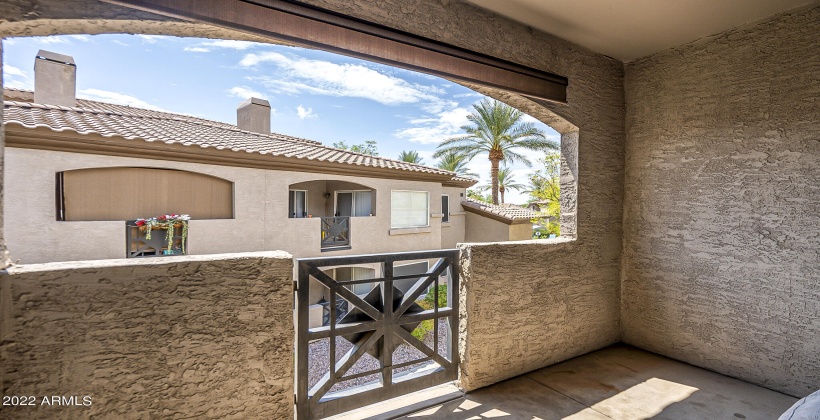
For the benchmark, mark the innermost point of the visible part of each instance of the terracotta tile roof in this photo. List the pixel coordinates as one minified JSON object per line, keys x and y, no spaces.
{"x":110,"y":120}
{"x":509,"y":212}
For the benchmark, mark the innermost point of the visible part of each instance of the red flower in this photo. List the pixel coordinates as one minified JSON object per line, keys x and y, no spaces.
{"x":161,"y":218}
{"x":140,"y":222}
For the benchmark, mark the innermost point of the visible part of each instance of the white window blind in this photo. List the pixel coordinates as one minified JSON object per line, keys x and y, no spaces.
{"x":297,"y":204}
{"x":361,"y":204}
{"x":409,"y":209}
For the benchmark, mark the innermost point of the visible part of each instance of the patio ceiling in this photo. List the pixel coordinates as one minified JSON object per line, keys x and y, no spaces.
{"x":630,"y":29}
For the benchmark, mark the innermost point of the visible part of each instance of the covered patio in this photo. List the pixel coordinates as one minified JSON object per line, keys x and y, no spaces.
{"x":685,"y":283}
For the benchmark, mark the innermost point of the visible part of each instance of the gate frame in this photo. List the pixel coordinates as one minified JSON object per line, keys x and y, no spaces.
{"x":383,"y":325}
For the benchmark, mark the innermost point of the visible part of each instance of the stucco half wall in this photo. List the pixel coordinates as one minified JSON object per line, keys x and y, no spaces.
{"x":592,"y":152}
{"x":520,"y":313}
{"x":722,"y":235}
{"x":196,"y":336}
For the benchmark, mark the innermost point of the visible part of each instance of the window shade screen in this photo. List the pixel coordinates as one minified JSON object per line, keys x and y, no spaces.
{"x":408,"y":209}
{"x":445,"y":208}
{"x":127,"y":193}
{"x":298,"y":204}
{"x":361,"y":204}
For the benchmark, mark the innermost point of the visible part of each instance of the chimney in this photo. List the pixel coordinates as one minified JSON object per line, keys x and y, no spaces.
{"x":55,"y":79}
{"x":254,"y":115}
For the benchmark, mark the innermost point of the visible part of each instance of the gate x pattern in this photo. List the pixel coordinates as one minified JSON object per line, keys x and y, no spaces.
{"x":376,"y":324}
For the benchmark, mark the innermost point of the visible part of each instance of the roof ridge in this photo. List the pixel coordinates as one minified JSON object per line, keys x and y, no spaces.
{"x":346,"y":156}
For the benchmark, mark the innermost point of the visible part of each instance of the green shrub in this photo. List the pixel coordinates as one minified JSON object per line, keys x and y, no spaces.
{"x":425,"y":327}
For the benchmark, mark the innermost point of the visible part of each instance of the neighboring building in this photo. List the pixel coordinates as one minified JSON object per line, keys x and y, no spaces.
{"x":77,"y":170}
{"x":497,"y":222}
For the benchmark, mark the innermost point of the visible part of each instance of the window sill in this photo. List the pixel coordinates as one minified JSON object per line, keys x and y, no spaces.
{"x":410,"y":231}
{"x":445,"y":224}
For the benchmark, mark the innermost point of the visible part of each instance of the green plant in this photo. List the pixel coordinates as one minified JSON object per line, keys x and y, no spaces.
{"x":499,"y":131}
{"x":425,"y":327}
{"x":168,"y":222}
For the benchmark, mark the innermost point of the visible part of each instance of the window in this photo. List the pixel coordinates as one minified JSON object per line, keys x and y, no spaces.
{"x":354,"y":203}
{"x":445,"y":208}
{"x":409,"y":209}
{"x":128,"y":193}
{"x":356,"y":273}
{"x":297,"y":204}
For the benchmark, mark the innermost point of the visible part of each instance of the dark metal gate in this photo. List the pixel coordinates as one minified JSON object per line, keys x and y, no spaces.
{"x":383,"y":344}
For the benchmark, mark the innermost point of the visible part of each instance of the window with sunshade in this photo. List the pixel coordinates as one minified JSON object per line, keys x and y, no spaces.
{"x":409,"y":209}
{"x":128,"y":193}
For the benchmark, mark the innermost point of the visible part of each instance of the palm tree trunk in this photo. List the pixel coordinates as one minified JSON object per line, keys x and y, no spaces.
{"x":501,"y":192}
{"x":494,"y":178}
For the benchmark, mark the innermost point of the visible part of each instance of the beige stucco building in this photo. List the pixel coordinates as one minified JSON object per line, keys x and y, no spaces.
{"x":80,"y":169}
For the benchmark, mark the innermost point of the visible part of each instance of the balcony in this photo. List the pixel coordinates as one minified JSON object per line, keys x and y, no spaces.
{"x":335,"y":233}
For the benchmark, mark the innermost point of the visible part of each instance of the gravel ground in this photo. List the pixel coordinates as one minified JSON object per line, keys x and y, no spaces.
{"x":319,"y":358}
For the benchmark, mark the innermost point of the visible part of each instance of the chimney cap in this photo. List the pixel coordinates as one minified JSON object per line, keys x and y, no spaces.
{"x":58,"y":58}
{"x":254,"y":101}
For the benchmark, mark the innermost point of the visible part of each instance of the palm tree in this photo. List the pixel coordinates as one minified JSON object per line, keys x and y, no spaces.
{"x":498,"y":131}
{"x":457,"y":163}
{"x":411,"y":156}
{"x":505,"y":183}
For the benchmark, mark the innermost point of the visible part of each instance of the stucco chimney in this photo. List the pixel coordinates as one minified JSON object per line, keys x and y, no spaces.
{"x":55,"y":79}
{"x":254,"y":115}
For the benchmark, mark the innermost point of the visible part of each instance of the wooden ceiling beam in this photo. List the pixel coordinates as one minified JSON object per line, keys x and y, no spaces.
{"x":312,"y":27}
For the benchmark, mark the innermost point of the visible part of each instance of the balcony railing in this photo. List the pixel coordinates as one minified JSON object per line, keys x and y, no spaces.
{"x":395,"y":340}
{"x":139,"y":246}
{"x":335,"y":233}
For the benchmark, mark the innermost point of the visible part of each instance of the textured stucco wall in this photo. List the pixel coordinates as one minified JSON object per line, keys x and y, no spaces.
{"x":592,"y":176}
{"x":721,"y":257}
{"x":453,"y":232}
{"x":261,"y":220}
{"x":484,"y":229}
{"x":194,"y":337}
{"x":523,"y":312}
{"x":532,"y":304}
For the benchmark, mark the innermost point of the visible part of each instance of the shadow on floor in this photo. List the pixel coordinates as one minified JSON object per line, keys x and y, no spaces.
{"x":618,"y":382}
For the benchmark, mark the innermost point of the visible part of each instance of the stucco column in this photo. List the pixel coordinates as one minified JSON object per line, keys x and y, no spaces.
{"x":4,"y":254}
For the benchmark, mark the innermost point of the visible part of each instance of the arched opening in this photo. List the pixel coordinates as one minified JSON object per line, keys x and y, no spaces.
{"x":330,"y":198}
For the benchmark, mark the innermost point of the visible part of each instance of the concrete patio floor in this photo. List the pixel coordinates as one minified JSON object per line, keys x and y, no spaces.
{"x":618,"y":382}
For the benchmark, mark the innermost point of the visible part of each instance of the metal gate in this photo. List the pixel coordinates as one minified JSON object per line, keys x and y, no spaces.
{"x":357,"y":349}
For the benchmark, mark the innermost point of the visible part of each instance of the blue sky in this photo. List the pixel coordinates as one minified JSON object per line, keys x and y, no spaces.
{"x":314,"y":94}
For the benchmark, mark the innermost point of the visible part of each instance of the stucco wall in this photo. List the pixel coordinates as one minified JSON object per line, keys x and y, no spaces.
{"x":484,"y":229}
{"x":501,"y":335}
{"x":193,"y":337}
{"x":523,"y":312}
{"x":722,"y":214}
{"x":454,"y":231}
{"x":592,"y":159}
{"x":261,"y":220}
{"x":520,"y":232}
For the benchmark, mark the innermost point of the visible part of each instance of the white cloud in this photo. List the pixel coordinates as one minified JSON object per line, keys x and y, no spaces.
{"x":300,"y":75}
{"x":116,"y":98}
{"x":245,"y":92}
{"x":207,"y":46}
{"x":9,"y":71}
{"x":118,"y":42}
{"x":18,"y":84}
{"x":150,"y":39}
{"x":53,"y":39}
{"x":15,"y":78}
{"x":83,"y":38}
{"x":305,"y":112}
{"x":229,"y":43}
{"x":445,"y":125}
